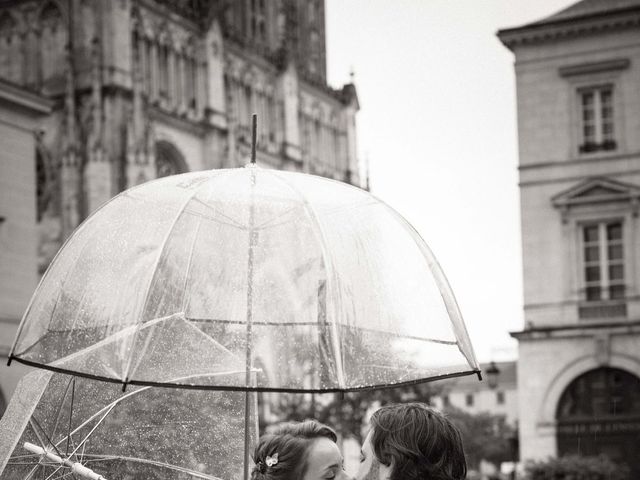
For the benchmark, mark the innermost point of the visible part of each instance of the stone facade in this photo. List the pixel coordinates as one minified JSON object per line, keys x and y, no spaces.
{"x":578,"y":121}
{"x":21,"y":116}
{"x":147,"y":88}
{"x":466,"y":393}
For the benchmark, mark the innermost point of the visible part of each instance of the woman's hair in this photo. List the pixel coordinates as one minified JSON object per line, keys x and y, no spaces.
{"x":419,"y":441}
{"x":291,"y":443}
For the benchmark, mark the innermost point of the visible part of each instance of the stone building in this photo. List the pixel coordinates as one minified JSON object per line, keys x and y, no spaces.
{"x":578,"y":101}
{"x":21,"y":113}
{"x":497,"y":396}
{"x":137,"y":89}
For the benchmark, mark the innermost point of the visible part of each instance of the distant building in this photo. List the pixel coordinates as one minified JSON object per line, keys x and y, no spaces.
{"x":21,"y":113}
{"x":468,"y":394}
{"x":578,"y":97}
{"x":139,"y":89}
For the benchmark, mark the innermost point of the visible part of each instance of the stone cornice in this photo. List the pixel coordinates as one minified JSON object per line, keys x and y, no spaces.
{"x":537,"y":33}
{"x":197,"y":127}
{"x":25,"y":98}
{"x":251,"y":57}
{"x":594,"y":67}
{"x":584,"y":328}
{"x":329,"y":93}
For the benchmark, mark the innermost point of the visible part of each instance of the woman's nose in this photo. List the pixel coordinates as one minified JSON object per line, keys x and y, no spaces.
{"x":345,"y":476}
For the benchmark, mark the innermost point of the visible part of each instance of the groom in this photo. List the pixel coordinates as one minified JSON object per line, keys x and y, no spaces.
{"x":411,"y":441}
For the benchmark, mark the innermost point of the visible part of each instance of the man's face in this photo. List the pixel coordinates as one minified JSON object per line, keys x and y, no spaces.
{"x":370,"y":466}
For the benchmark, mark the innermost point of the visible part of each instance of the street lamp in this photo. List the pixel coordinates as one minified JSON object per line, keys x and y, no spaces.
{"x":492,"y":372}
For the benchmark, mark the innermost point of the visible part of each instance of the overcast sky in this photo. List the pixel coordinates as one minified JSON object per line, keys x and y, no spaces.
{"x":438,"y":126}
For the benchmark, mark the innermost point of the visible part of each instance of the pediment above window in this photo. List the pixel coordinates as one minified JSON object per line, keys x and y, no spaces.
{"x":598,"y":191}
{"x":594,"y":67}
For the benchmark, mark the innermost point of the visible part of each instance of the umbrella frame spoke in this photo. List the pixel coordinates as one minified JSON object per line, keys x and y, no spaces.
{"x":56,"y":471}
{"x":146,"y":461}
{"x":33,"y":471}
{"x":73,"y":391}
{"x":46,"y":441}
{"x":59,"y":413}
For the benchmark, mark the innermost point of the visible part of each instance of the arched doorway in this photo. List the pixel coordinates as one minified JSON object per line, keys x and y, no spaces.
{"x":599,"y":413}
{"x":169,"y":160}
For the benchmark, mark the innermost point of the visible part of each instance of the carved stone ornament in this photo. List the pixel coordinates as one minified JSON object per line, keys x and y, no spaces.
{"x":602,"y":348}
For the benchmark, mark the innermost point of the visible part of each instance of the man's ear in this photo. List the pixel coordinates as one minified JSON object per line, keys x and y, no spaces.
{"x":386,"y":470}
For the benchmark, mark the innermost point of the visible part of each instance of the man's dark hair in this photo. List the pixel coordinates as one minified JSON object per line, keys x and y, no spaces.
{"x":291,"y":442}
{"x":419,"y":441}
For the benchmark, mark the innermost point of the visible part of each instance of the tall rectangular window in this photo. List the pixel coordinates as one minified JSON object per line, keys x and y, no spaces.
{"x":468,"y":400}
{"x":596,"y":109}
{"x":603,"y":259}
{"x":163,"y":60}
{"x":258,"y":15}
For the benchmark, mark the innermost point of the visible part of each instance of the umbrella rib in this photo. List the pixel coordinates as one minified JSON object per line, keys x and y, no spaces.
{"x":81,"y":456}
{"x":80,"y":228}
{"x":185,"y":297}
{"x":32,"y":471}
{"x":153,"y":462}
{"x":83,"y":441}
{"x":56,"y":471}
{"x":110,"y":406}
{"x":59,"y":413}
{"x":94,"y":346}
{"x":106,"y":408}
{"x":207,"y":337}
{"x":355,"y":205}
{"x":73,"y":391}
{"x":451,"y":304}
{"x":36,"y":426}
{"x":270,"y":223}
{"x":315,"y":324}
{"x":109,"y":339}
{"x":327,"y":262}
{"x":154,"y":270}
{"x":232,"y":222}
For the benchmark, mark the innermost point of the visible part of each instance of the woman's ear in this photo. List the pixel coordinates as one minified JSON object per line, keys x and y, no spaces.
{"x":386,"y":470}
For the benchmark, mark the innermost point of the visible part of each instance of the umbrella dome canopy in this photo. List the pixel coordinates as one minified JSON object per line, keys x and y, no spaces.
{"x":247,"y":279}
{"x":147,"y":432}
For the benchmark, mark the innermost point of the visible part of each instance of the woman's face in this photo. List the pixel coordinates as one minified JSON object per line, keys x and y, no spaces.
{"x":324,"y":461}
{"x":370,"y":466}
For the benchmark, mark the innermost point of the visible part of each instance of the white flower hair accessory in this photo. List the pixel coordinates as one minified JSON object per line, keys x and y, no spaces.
{"x":272,"y":460}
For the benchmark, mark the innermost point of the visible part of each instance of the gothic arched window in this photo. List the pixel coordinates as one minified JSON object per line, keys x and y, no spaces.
{"x":257,"y":20}
{"x":10,"y":55}
{"x":314,"y":51}
{"x":169,"y":160}
{"x":53,"y":39}
{"x":47,"y":200}
{"x":163,"y":60}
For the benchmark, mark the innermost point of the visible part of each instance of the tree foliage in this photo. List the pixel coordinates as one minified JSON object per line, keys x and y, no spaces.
{"x":347,"y":413}
{"x":484,"y":436}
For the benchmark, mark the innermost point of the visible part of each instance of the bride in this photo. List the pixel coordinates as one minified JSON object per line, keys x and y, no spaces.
{"x":299,"y":451}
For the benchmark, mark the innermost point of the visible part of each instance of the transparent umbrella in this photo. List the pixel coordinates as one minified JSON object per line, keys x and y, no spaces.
{"x":199,"y":279}
{"x":60,"y":426}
